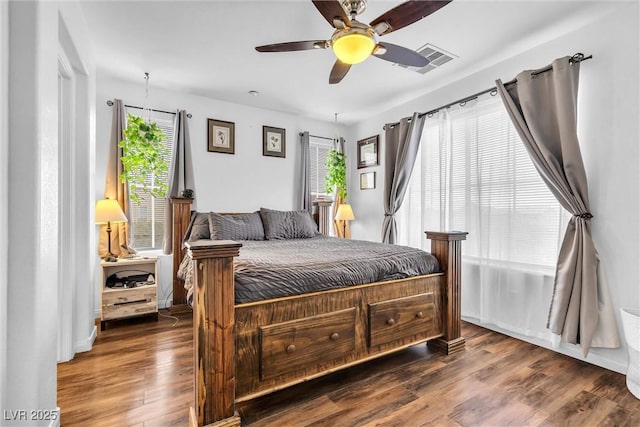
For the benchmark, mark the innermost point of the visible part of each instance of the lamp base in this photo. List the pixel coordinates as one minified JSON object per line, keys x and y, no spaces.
{"x":109,"y":257}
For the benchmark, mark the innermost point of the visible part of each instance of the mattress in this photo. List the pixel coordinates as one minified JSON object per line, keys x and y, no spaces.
{"x":267,"y":269}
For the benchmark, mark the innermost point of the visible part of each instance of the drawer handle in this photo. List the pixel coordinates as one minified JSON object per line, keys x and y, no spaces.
{"x":391,"y":322}
{"x":335,"y":336}
{"x":135,"y":301}
{"x":291,"y":348}
{"x":419,"y":315}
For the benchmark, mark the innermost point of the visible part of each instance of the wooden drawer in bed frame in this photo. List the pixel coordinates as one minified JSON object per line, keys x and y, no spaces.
{"x":293,"y":346}
{"x":397,"y":319}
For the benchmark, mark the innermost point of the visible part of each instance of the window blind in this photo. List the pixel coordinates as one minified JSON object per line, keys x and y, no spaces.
{"x":318,"y":153}
{"x":473,"y":174}
{"x":147,"y":220}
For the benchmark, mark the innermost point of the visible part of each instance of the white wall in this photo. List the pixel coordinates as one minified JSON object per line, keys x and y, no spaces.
{"x":33,"y":213}
{"x":242,"y":182}
{"x":608,"y":132}
{"x":29,"y":215}
{"x":4,"y":192}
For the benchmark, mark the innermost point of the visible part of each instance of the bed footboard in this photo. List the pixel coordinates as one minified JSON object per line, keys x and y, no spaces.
{"x":214,"y":321}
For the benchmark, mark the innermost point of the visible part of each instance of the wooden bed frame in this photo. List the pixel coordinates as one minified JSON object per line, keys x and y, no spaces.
{"x":243,"y":351}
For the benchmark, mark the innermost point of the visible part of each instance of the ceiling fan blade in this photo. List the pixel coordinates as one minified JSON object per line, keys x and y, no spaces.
{"x":405,"y":14}
{"x":398,"y":54}
{"x":339,"y":70}
{"x":293,"y":46}
{"x":331,"y":10}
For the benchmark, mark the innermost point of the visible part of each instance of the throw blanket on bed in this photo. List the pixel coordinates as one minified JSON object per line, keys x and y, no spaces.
{"x":276,"y":268}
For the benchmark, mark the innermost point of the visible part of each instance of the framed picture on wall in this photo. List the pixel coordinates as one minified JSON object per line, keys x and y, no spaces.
{"x":221,"y":136}
{"x":274,"y":141}
{"x":367,"y":180}
{"x":368,"y":152}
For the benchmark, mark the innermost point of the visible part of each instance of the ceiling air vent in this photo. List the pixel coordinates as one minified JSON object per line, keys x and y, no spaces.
{"x":436,"y":56}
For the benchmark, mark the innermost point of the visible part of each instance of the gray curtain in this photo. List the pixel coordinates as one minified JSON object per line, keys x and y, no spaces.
{"x":180,"y":173}
{"x":114,"y":188}
{"x":543,"y":108}
{"x":401,"y":149}
{"x":305,"y":188}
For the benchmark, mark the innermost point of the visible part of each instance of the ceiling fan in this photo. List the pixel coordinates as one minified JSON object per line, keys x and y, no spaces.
{"x":353,"y":42}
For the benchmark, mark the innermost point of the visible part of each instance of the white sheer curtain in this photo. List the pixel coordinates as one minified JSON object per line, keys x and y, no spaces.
{"x":475,"y":175}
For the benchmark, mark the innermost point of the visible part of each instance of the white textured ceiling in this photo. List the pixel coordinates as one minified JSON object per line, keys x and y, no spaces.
{"x":207,"y":48}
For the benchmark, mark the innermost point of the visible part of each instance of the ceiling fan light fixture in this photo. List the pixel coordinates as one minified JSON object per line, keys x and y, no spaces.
{"x":352,"y":46}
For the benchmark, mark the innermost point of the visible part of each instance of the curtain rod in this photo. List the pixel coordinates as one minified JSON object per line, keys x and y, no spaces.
{"x":316,"y":136}
{"x":110,"y":104}
{"x":578,"y":57}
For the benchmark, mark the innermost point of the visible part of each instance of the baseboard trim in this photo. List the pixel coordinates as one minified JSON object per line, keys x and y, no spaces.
{"x":86,"y":344}
{"x":576,"y":353}
{"x":56,"y":422}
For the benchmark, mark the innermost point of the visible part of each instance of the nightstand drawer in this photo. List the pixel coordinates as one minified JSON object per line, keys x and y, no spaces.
{"x":119,"y":303}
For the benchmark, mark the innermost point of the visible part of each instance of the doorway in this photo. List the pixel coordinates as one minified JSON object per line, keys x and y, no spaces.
{"x":66,"y":116}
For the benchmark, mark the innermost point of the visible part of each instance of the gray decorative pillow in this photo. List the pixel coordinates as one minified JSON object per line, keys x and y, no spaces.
{"x":287,"y":224}
{"x":198,"y":228}
{"x":246,"y":226}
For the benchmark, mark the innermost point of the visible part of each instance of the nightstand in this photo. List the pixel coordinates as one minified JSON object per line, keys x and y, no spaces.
{"x":129,"y":288}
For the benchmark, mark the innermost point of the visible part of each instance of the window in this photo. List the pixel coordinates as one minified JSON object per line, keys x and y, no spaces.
{"x":318,"y":152}
{"x":473,"y":174}
{"x":147,"y":218}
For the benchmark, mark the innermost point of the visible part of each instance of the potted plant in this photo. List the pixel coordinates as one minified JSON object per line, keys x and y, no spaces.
{"x":336,"y":173}
{"x":144,"y":158}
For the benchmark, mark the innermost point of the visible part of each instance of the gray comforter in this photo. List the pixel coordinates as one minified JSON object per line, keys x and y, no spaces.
{"x":275,"y":268}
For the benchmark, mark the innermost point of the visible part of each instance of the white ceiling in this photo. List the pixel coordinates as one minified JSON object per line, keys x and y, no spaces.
{"x":207,"y":48}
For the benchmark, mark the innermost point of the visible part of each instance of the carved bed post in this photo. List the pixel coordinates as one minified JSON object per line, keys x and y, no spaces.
{"x":181,"y":219}
{"x":446,"y":246}
{"x":213,"y":332}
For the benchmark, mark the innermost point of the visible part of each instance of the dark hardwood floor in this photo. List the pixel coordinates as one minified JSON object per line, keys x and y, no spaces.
{"x":140,"y":373}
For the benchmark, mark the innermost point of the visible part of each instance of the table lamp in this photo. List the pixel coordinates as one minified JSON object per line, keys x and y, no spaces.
{"x":344,"y":214}
{"x":108,"y":211}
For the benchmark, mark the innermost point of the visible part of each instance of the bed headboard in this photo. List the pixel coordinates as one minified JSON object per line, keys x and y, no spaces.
{"x":182,"y":220}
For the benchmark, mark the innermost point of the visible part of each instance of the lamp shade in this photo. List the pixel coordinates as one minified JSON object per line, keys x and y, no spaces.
{"x":345,"y":213}
{"x":108,"y":210}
